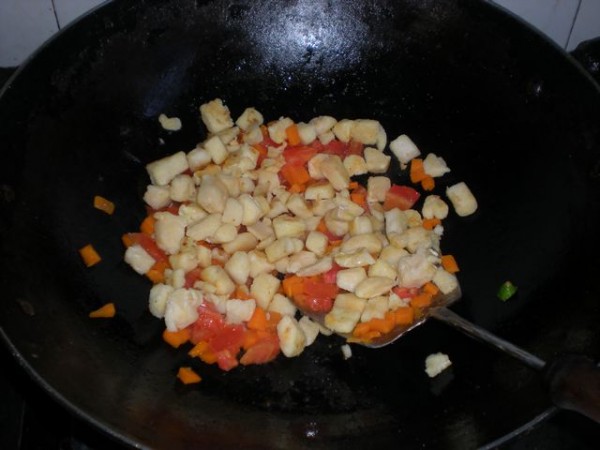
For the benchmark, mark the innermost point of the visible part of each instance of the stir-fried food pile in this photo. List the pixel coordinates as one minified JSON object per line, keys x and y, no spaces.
{"x":263,"y":228}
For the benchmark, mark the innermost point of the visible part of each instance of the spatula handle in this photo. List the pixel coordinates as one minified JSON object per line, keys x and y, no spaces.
{"x":451,"y":318}
{"x":573,"y":382}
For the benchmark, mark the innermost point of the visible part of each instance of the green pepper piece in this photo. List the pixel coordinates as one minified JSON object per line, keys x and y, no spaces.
{"x":506,"y":291}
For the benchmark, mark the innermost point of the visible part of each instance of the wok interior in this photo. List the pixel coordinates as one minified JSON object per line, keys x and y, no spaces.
{"x":511,"y":116}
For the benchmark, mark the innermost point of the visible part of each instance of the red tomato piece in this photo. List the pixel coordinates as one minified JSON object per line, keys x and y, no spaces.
{"x":148,"y":244}
{"x":298,"y":156}
{"x":335,"y":147}
{"x":226,"y":360}
{"x":262,"y":153}
{"x":332,"y":237}
{"x":320,"y":289}
{"x":320,"y":304}
{"x":191,"y":277}
{"x":331,"y":275}
{"x":314,"y":304}
{"x":208,"y":324}
{"x":173,"y":208}
{"x":402,"y":197}
{"x":355,"y":148}
{"x":316,"y":144}
{"x":268,"y":142}
{"x":404,"y":292}
{"x":229,"y":337}
{"x":262,"y":352}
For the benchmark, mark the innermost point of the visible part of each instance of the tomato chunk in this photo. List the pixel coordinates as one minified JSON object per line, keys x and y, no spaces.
{"x":208,"y":324}
{"x":262,"y":352}
{"x":191,"y":277}
{"x":331,"y":275}
{"x":355,"y":148}
{"x":335,"y":147}
{"x":401,"y":197}
{"x":404,"y":292}
{"x":320,"y":289}
{"x":314,"y":304}
{"x":226,"y":360}
{"x":298,"y":156}
{"x":229,"y":337}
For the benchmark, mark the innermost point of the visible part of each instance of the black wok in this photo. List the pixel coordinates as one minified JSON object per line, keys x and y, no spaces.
{"x":511,"y":113}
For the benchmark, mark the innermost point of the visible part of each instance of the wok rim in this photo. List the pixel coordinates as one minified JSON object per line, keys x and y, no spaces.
{"x":64,"y":402}
{"x":119,"y":435}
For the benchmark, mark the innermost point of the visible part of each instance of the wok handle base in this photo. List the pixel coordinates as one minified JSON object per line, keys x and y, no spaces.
{"x":573,"y":382}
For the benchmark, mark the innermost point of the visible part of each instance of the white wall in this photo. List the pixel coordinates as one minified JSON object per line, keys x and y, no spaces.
{"x":25,"y":24}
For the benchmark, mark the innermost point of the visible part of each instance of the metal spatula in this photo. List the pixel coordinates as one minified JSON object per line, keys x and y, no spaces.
{"x":573,"y":381}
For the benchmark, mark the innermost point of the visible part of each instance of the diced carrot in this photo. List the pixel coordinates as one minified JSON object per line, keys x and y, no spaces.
{"x":128,"y":239}
{"x":261,"y":149}
{"x":104,"y":312}
{"x":268,"y":334}
{"x":382,"y":325}
{"x":177,"y":338}
{"x":421,"y":300}
{"x":389,"y":317}
{"x":258,"y":321}
{"x":417,"y":172}
{"x":250,"y":338}
{"x":430,"y":224}
{"x":157,"y":273}
{"x":404,"y":316}
{"x":370,"y":335}
{"x":428,"y":183}
{"x":241,"y":293}
{"x":449,"y":264}
{"x":293,"y":286}
{"x":253,"y":337}
{"x":361,"y":329}
{"x":89,"y":255}
{"x":198,"y":349}
{"x":431,"y":288}
{"x":322,"y":227}
{"x":297,"y":188}
{"x":293,"y":137}
{"x":147,"y":226}
{"x":104,"y":204}
{"x":375,"y":327}
{"x":273,"y":319}
{"x":295,"y":174}
{"x":187,"y":376}
{"x":360,"y":199}
{"x":208,"y":357}
{"x":333,"y":244}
